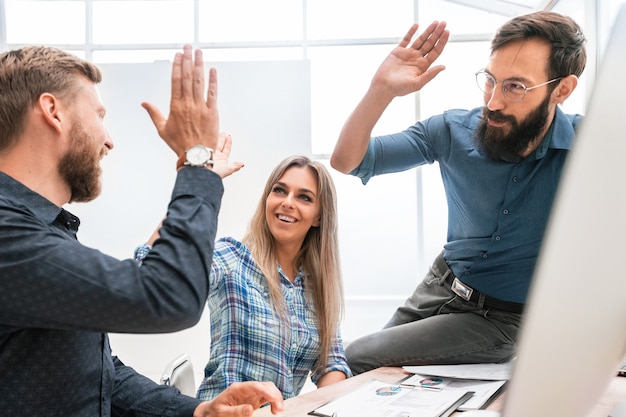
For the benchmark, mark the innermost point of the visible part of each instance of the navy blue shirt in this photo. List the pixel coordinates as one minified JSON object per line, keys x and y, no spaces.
{"x":58,"y":300}
{"x":497,"y":210}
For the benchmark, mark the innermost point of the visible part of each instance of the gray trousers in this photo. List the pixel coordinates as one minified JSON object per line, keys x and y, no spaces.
{"x":437,"y":327}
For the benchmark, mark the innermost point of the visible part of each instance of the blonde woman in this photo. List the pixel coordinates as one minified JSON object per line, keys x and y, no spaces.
{"x":276,"y":296}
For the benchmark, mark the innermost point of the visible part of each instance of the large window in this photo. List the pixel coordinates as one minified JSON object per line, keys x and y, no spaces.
{"x":391,"y":229}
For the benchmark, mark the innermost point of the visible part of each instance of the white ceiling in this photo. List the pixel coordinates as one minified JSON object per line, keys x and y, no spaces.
{"x":508,"y":7}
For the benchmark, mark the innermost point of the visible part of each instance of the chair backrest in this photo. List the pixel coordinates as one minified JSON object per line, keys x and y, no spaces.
{"x":179,"y":373}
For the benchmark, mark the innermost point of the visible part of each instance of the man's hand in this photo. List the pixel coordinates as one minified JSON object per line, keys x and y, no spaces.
{"x":193,"y":120}
{"x":408,"y":67}
{"x":241,"y":399}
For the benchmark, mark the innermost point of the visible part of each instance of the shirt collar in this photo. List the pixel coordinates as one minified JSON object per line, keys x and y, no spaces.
{"x":298,"y":279}
{"x":41,"y":207}
{"x":560,"y":135}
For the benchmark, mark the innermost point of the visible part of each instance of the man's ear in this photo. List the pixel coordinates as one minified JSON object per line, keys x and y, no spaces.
{"x":50,"y":109}
{"x":566,"y":87}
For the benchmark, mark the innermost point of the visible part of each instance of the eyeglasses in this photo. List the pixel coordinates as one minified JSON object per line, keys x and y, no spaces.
{"x":513,"y":90}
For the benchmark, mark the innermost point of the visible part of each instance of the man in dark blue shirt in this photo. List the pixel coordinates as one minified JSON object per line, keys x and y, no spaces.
{"x":500,"y":165}
{"x":58,"y":298}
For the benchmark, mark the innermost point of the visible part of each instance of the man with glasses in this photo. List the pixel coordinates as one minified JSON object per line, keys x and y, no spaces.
{"x":500,"y":166}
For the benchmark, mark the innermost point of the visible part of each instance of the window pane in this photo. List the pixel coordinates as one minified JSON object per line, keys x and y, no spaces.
{"x":390,"y":200}
{"x":455,"y":87}
{"x":252,"y":54}
{"x":45,"y":22}
{"x":210,"y":55}
{"x":339,"y":78}
{"x":332,"y":19}
{"x":133,"y":56}
{"x":123,"y":22}
{"x":461,"y":20}
{"x":607,"y":20}
{"x":250,"y":20}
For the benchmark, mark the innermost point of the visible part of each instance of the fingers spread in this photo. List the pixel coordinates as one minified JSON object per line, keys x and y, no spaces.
{"x":434,"y":36}
{"x":409,"y":35}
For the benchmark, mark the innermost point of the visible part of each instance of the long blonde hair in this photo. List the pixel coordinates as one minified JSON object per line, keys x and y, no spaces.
{"x":318,"y":256}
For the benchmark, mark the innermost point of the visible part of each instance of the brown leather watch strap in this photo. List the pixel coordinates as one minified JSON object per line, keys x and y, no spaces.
{"x":181,"y":161}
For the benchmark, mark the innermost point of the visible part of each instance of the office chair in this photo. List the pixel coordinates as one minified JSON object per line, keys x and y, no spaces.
{"x":179,"y":373}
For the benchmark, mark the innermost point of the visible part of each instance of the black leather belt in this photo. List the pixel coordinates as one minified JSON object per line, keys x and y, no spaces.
{"x":470,"y":294}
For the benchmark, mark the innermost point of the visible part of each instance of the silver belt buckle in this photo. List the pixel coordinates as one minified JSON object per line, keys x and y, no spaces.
{"x":461,"y":289}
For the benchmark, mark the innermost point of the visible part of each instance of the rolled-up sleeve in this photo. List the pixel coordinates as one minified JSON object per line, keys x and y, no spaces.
{"x":335,"y":361}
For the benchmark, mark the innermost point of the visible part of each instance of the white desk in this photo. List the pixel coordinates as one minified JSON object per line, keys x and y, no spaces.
{"x":301,"y":405}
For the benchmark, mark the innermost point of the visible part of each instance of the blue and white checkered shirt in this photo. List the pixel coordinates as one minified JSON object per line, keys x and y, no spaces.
{"x":248,"y":341}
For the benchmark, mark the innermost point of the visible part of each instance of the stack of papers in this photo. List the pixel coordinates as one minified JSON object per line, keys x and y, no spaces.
{"x":379,"y":398}
{"x":486,"y":381}
{"x":479,"y":371}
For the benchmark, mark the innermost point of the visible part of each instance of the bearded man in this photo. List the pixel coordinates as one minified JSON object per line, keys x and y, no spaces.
{"x":58,"y":298}
{"x":500,"y":166}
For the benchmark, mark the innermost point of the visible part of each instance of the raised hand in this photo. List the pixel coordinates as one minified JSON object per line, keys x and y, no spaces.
{"x":408,"y":67}
{"x":193,"y":118}
{"x":221,"y":166}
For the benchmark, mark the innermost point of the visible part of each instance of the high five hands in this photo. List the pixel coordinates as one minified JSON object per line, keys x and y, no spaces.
{"x":193,"y":118}
{"x":221,"y":166}
{"x":408,"y":67}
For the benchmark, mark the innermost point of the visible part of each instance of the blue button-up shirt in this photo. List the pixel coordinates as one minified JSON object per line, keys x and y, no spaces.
{"x":249,"y":341}
{"x":58,"y":299}
{"x":497,"y":211}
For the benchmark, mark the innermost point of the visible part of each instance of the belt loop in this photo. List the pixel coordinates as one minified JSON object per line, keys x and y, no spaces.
{"x":443,"y":270}
{"x":481,"y":300}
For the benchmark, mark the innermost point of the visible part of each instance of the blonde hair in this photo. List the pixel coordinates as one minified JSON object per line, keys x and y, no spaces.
{"x":318,"y":256}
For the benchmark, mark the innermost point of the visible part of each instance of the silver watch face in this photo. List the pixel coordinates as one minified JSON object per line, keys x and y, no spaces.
{"x":199,"y":155}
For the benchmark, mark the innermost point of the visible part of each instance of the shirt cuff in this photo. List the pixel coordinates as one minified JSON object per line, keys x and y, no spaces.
{"x":141,"y":252}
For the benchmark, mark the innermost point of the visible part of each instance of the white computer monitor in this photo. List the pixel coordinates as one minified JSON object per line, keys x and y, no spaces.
{"x":573,"y":336}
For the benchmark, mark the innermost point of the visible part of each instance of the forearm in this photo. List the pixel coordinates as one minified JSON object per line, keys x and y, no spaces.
{"x":101,"y":293}
{"x":356,"y":132}
{"x":331,"y":378}
{"x":136,"y":394}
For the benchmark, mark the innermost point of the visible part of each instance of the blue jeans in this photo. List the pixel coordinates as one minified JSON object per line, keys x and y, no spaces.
{"x":437,"y":327}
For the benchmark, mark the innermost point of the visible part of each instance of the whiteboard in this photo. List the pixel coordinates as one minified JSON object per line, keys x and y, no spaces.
{"x":265,"y":106}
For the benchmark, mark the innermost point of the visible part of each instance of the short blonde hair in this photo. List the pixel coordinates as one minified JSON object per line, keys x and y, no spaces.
{"x":27,"y":73}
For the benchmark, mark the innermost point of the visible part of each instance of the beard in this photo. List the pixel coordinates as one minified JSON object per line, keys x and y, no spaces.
{"x":80,"y":166}
{"x":501,"y":146}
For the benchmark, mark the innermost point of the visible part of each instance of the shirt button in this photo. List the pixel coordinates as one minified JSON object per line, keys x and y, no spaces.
{"x":485,"y":256}
{"x":515,"y":179}
{"x":505,"y":211}
{"x":294,"y":345}
{"x":498,"y":238}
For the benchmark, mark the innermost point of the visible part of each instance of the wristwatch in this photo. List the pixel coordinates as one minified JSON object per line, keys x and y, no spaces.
{"x":196,"y":156}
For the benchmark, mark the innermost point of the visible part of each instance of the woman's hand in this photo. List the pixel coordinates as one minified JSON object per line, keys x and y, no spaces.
{"x":221,"y":166}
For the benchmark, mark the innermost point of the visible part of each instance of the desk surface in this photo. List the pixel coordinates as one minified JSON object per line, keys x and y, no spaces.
{"x":301,"y":405}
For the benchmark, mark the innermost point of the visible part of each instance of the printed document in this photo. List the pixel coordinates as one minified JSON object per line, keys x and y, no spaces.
{"x":381,"y":399}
